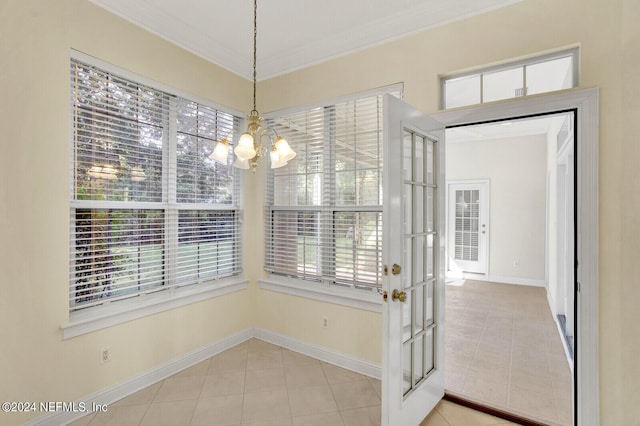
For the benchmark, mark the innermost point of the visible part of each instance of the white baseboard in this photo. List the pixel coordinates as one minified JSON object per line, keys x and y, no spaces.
{"x":123,"y":389}
{"x":516,"y":281}
{"x":130,"y":386}
{"x":496,"y":279}
{"x":323,"y":354}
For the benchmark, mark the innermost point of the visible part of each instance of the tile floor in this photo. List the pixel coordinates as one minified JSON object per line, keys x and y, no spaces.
{"x":254,"y":383}
{"x":503,"y":349}
{"x":257,"y":383}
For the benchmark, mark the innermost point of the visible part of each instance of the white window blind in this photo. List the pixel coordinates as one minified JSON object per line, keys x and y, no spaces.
{"x":149,"y":210}
{"x":324,"y":210}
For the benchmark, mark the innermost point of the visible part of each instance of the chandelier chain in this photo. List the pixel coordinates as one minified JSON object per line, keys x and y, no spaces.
{"x":255,"y":42}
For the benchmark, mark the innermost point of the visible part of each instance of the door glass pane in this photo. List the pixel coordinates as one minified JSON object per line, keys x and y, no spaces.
{"x":418,"y":162}
{"x":430,"y":209}
{"x":408,"y":261}
{"x":429,"y":363}
{"x":429,"y":303}
{"x":466,"y":225}
{"x":407,"y":152}
{"x":430,"y":258}
{"x":418,"y":369}
{"x":406,"y":316}
{"x":408,"y":209}
{"x":430,"y":162}
{"x":407,"y":356}
{"x":419,"y":209}
{"x":419,"y":308}
{"x":418,"y":267}
{"x":502,"y":84}
{"x":462,"y":91}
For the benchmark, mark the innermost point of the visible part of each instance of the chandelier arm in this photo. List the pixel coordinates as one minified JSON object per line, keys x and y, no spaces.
{"x":270,"y":133}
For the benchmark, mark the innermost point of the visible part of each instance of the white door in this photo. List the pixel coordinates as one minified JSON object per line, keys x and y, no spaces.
{"x":468,"y":228}
{"x":413,"y":255}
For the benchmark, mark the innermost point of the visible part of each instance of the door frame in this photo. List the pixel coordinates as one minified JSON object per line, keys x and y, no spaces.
{"x":487,"y":211}
{"x":585,"y":103}
{"x":563,"y":299}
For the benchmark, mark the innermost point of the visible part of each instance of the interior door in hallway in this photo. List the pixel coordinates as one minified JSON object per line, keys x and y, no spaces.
{"x":413,"y":252}
{"x":468,"y":228}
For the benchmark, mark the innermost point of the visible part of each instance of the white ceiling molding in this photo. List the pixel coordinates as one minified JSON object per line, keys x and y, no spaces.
{"x":292,"y":34}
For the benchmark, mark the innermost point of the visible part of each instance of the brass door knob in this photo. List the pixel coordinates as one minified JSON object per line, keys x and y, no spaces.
{"x":399,"y":295}
{"x":395,"y":269}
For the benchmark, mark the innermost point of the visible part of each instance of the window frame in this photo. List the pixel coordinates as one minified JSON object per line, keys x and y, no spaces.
{"x":362,"y":297}
{"x":176,"y":293}
{"x":572,"y":52}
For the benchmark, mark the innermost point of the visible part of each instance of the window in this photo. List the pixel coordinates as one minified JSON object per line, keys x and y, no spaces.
{"x":324,"y":210}
{"x":150,"y":212}
{"x":543,"y":74}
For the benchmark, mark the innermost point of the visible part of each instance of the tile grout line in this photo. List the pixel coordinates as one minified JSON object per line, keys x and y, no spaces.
{"x":204,"y":379}
{"x":286,"y":384}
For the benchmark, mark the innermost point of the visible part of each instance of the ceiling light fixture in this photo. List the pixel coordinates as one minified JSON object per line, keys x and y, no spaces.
{"x":250,"y":147}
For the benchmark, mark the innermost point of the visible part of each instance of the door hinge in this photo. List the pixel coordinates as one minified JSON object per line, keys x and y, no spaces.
{"x":385,"y":270}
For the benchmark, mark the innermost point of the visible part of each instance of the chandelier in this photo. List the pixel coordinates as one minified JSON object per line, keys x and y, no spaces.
{"x":250,"y":146}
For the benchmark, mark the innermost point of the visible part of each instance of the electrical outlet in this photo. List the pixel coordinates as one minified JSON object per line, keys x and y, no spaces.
{"x":325,"y":322}
{"x":105,"y":355}
{"x":516,"y":263}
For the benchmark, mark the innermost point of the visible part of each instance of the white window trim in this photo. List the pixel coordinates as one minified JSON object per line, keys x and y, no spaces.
{"x":368,"y":300}
{"x":118,"y":312}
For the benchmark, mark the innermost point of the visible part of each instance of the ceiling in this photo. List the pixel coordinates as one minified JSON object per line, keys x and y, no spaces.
{"x":292,"y":34}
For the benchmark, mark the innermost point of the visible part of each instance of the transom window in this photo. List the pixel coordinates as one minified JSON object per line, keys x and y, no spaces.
{"x":542,"y":74}
{"x":150,"y":211}
{"x":324,"y":210}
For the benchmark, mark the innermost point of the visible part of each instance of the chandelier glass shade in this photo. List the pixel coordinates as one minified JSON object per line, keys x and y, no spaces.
{"x":257,"y":141}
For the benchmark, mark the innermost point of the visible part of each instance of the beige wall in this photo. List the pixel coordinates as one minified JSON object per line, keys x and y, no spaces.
{"x":35,"y":38}
{"x":610,"y":60}
{"x":36,"y":364}
{"x":516,"y":169}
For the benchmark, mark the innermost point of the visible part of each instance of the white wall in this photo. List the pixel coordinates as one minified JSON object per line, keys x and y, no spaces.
{"x":36,"y":364}
{"x":516,"y":169}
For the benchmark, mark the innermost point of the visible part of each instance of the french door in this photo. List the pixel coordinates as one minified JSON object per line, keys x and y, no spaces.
{"x":468,"y":228}
{"x":413,"y":258}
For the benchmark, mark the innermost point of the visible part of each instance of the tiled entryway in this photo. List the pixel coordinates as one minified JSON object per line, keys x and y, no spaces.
{"x":503,"y":349}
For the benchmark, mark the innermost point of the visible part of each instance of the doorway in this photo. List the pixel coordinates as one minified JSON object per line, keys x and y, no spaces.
{"x":504,"y":347}
{"x":585,"y":105}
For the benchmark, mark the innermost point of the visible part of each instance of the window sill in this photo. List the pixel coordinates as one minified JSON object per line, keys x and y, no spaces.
{"x":362,"y":299}
{"x":97,"y":318}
